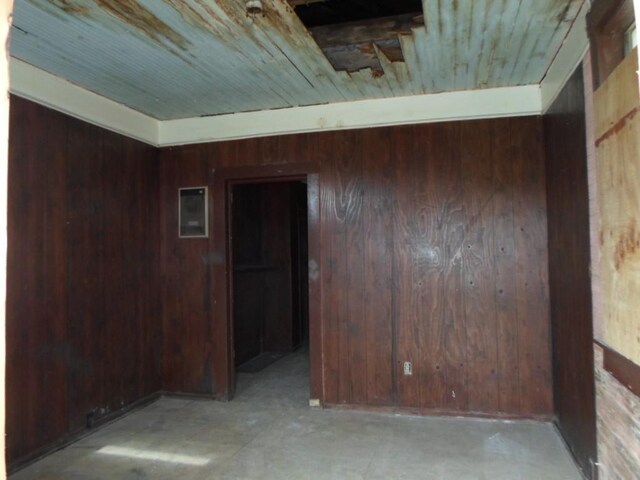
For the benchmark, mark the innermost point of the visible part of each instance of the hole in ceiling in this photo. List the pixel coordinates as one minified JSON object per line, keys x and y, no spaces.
{"x":348,"y":31}
{"x":316,"y":13}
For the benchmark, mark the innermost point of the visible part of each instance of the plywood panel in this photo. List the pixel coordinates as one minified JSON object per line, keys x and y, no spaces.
{"x":427,"y":244}
{"x":187,"y":293}
{"x":569,"y":271}
{"x":398,"y":208}
{"x":412,"y":244}
{"x":617,"y":148}
{"x":532,"y":288}
{"x":504,"y":249}
{"x":82,"y":305}
{"x":379,"y":269}
{"x":476,"y":251}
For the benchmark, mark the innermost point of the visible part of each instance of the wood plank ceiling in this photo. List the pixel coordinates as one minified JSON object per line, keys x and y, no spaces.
{"x":186,"y":58}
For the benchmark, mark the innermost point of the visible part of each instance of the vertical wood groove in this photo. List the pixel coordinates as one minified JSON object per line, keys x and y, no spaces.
{"x":410,"y":215}
{"x":83,"y":297}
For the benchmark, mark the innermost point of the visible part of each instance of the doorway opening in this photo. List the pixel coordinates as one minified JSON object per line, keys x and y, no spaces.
{"x":268,"y":245}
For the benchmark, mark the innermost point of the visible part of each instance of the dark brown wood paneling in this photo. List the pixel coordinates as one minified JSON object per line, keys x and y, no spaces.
{"x":409,"y":216}
{"x":452,"y":221}
{"x":83,"y":296}
{"x":569,"y":275}
{"x":412,"y":284}
{"x":624,"y":370}
{"x":187,"y":290}
{"x":379,"y":269}
{"x":479,"y":265}
{"x":531,"y":260}
{"x":505,"y":268}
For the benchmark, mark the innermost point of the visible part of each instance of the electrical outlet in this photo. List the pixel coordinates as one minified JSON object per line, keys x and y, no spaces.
{"x":408,"y":368}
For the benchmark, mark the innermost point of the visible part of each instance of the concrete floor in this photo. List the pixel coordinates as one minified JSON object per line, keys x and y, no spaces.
{"x":269,"y":432}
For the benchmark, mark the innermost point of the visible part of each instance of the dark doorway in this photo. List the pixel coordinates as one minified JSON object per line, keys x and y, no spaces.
{"x":269,"y":278}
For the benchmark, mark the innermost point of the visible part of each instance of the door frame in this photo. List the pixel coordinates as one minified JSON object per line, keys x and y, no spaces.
{"x":223,"y":340}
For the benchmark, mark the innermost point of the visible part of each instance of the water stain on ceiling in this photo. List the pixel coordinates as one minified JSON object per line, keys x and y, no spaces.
{"x":184,"y":58}
{"x":351,"y":33}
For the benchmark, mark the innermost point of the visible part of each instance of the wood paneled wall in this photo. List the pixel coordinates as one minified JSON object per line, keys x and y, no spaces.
{"x":434,"y":251}
{"x":83,"y":327}
{"x":569,"y":272}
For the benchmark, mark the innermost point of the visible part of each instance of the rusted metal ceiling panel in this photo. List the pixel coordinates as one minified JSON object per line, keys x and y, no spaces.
{"x":183,"y":58}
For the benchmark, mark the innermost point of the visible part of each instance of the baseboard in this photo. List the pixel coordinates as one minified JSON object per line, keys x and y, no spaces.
{"x":194,"y":396}
{"x":81,"y":433}
{"x":431,"y":412}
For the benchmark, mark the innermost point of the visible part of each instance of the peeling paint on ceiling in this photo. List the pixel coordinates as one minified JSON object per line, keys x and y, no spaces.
{"x":185,"y":58}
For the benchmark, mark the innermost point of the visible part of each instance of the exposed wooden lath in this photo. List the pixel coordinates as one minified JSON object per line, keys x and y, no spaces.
{"x":357,"y":45}
{"x":174,"y":59}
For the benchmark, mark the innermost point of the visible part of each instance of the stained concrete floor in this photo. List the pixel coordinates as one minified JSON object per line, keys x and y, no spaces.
{"x":269,"y":432}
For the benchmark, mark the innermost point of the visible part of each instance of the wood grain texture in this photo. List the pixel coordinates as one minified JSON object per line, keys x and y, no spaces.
{"x":531,"y":259}
{"x":616,"y":107}
{"x":622,"y":369}
{"x":618,"y":440}
{"x":82,"y":305}
{"x":409,"y":216}
{"x":504,"y":251}
{"x":378,"y":248}
{"x":478,"y":265}
{"x":569,"y":275}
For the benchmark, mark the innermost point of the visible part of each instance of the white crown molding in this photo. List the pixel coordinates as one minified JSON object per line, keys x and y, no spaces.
{"x":464,"y":105}
{"x":34,"y":84}
{"x":44,"y":88}
{"x":37,"y":85}
{"x":573,"y":49}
